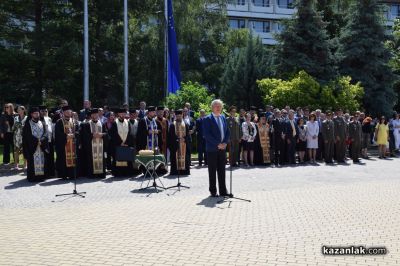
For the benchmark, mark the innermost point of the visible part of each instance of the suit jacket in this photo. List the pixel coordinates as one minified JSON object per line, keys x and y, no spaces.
{"x":289,"y":131}
{"x":199,"y":129}
{"x":212,"y":134}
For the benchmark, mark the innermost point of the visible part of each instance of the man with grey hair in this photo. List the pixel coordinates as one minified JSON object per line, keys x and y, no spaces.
{"x":216,"y":134}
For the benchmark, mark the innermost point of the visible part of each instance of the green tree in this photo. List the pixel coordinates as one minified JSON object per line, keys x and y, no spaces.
{"x":193,"y":93}
{"x":304,"y":90}
{"x":363,"y":56}
{"x":304,"y":45}
{"x":241,"y":71}
{"x":394,"y":46}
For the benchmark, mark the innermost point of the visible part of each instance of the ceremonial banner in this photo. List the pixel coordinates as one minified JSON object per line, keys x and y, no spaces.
{"x":69,"y":128}
{"x":264,"y":141}
{"x":97,"y":148}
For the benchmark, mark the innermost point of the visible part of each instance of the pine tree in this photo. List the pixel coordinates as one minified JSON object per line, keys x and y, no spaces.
{"x":363,"y":56}
{"x":241,"y":71}
{"x":304,"y":45}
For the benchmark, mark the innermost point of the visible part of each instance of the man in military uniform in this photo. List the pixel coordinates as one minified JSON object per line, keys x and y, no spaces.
{"x":278,"y":144}
{"x":234,"y":128}
{"x":355,"y":138}
{"x":328,"y":134}
{"x":340,"y":132}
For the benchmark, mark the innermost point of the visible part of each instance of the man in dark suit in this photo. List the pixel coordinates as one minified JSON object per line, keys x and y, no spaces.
{"x":291,"y":134}
{"x":84,"y":113}
{"x":201,"y":145}
{"x":216,"y":135}
{"x":277,"y":137}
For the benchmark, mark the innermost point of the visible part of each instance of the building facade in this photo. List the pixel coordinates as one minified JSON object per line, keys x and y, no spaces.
{"x":263,"y":16}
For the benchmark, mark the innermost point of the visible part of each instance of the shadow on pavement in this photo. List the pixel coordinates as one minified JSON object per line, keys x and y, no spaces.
{"x":20,"y":184}
{"x":209,"y":202}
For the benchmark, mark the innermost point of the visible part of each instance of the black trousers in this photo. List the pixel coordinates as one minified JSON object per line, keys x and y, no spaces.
{"x":329,"y":151}
{"x":291,"y":150}
{"x":8,"y":146}
{"x":201,"y":149}
{"x":216,"y":165}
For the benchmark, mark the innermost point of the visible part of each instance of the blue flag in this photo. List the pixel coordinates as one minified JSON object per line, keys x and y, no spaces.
{"x":174,"y":73}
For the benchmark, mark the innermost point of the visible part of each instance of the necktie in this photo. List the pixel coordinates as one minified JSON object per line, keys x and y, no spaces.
{"x":220,"y":127}
{"x":293,"y":129}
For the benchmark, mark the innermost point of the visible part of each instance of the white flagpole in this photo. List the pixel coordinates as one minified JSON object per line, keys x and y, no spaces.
{"x":86,"y":51}
{"x":126,"y":93}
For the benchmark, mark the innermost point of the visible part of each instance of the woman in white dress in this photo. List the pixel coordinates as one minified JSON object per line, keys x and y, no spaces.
{"x":249,"y":135}
{"x":312,"y":137}
{"x":396,"y":131}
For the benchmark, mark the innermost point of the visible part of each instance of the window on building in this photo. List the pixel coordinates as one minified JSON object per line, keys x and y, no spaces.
{"x":285,"y":3}
{"x":237,"y":2}
{"x":395,"y":11}
{"x":261,"y":26}
{"x":237,"y":23}
{"x":263,"y":3}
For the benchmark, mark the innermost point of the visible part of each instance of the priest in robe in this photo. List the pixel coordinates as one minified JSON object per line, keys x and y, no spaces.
{"x":178,"y":139}
{"x":35,"y":147}
{"x":149,"y":135}
{"x":120,"y":136}
{"x":163,"y":122}
{"x":94,"y":143}
{"x":66,"y":141}
{"x":262,"y":142}
{"x":133,"y":124}
{"x":47,"y":121}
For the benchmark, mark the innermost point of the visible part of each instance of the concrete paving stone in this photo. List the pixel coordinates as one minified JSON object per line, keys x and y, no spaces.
{"x":294,"y":211}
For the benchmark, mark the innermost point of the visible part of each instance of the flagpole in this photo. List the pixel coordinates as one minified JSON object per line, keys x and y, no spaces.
{"x":126,"y":94}
{"x":166,"y":48}
{"x":86,"y":51}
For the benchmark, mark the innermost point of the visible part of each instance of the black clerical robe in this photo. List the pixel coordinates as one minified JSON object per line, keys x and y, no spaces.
{"x":143,"y":139}
{"x":177,"y":141}
{"x":117,"y":139}
{"x":35,"y":154}
{"x":94,"y":149}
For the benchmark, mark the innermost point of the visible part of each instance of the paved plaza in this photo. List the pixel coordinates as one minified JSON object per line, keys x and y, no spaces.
{"x":294,"y":211}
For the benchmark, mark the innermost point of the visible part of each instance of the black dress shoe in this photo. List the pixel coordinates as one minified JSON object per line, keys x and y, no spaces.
{"x":227,"y":195}
{"x":214,"y":196}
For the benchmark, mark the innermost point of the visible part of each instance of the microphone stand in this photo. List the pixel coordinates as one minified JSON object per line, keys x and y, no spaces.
{"x":179,"y":185}
{"x":74,"y":193}
{"x":230,"y":195}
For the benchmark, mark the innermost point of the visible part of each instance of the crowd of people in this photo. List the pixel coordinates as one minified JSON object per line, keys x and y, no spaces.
{"x":63,"y":143}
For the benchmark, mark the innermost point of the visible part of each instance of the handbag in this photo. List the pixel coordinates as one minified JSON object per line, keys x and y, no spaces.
{"x":125,"y":154}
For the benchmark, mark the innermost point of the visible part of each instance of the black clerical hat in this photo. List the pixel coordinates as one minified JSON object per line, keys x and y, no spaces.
{"x":120,"y":110}
{"x":66,"y":108}
{"x":262,"y":114}
{"x":132,"y":110}
{"x":232,"y":107}
{"x":42,"y":107}
{"x":93,"y":111}
{"x":33,"y":109}
{"x":253,"y":108}
{"x":151,"y":109}
{"x":178,"y":112}
{"x":159,"y":108}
